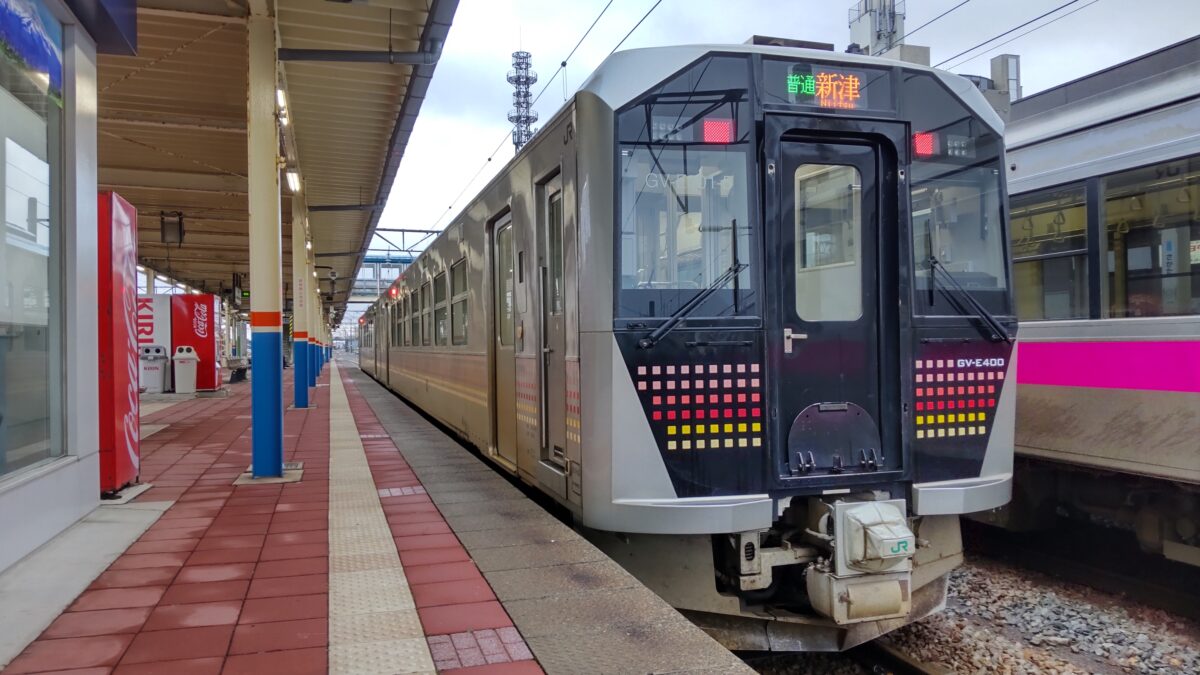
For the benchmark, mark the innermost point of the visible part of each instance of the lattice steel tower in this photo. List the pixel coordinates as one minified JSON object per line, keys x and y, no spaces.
{"x":521,"y":77}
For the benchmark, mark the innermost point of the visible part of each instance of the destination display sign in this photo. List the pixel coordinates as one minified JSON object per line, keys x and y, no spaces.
{"x":824,"y":86}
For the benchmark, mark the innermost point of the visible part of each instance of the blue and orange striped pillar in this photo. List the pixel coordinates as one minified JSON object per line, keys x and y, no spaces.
{"x":266,"y":250}
{"x":300,"y":325}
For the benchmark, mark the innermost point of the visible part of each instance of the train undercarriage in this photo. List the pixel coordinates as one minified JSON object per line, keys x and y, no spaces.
{"x":827,"y":576}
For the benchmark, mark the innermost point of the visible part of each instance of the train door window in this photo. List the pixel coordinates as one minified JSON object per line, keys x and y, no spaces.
{"x":1152,"y":233}
{"x":828,"y":242}
{"x":554,"y":240}
{"x":1049,"y":248}
{"x":440,"y":310}
{"x":505,"y":289}
{"x":425,"y":314}
{"x":458,"y":306}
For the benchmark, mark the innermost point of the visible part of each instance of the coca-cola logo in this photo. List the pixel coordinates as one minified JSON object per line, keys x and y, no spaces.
{"x":200,"y":320}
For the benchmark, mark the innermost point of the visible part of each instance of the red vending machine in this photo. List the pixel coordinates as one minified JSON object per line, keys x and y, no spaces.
{"x":194,"y":323}
{"x":120,"y":430}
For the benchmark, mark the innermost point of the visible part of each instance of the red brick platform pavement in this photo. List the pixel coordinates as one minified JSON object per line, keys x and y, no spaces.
{"x":235,"y":579}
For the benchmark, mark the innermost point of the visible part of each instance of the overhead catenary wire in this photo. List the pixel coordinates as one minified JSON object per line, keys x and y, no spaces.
{"x":1007,"y":32}
{"x":545,"y":86}
{"x":927,"y":23}
{"x":1018,"y":37}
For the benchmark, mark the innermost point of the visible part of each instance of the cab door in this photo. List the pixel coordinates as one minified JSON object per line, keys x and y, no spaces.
{"x":828,"y":346}
{"x":504,"y":395}
{"x":553,"y":335}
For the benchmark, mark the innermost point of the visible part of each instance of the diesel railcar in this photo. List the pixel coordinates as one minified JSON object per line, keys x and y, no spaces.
{"x":1105,"y":177}
{"x":746,"y":312}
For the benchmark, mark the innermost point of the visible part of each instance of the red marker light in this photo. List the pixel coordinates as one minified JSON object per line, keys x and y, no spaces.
{"x":924,"y":144}
{"x":718,"y":130}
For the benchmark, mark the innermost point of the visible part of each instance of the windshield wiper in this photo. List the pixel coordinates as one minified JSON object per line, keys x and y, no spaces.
{"x":999,"y":332}
{"x":690,"y":306}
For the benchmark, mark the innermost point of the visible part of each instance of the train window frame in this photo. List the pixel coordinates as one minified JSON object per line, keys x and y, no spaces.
{"x":636,"y":307}
{"x":458,"y":302}
{"x":1057,"y":199}
{"x":441,"y":309}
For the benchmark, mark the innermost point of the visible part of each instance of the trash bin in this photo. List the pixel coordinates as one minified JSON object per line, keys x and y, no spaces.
{"x":152,"y":369}
{"x":186,"y":361}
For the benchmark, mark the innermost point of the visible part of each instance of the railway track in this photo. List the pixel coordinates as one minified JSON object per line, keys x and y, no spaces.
{"x":881,"y":657}
{"x":1104,"y":559}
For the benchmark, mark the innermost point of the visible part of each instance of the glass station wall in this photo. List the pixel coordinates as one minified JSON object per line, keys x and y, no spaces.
{"x":31,"y":296}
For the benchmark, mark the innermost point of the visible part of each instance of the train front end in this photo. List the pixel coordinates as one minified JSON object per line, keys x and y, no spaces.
{"x":811,"y":342}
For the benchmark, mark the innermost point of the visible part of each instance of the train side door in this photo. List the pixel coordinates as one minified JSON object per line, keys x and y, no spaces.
{"x":828,"y":344}
{"x":553,"y":336}
{"x":504,"y":340}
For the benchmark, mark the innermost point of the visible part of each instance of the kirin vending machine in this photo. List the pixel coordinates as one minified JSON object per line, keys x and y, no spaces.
{"x":154,"y":327}
{"x":194,"y":324}
{"x":120,"y":429}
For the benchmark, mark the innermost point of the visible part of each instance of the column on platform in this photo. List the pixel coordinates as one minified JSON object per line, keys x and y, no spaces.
{"x":314,"y":321}
{"x":300,"y":325}
{"x":266,"y":254}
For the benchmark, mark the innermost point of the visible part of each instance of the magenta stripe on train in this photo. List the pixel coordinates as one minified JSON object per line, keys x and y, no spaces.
{"x":1154,"y":366}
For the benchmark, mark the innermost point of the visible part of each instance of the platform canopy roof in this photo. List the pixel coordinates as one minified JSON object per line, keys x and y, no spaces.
{"x":172,"y":126}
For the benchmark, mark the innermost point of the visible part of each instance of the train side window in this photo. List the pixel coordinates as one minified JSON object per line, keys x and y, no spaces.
{"x":440,"y":310}
{"x":404,"y":320}
{"x":414,"y":319}
{"x":425,"y":314}
{"x":1152,"y":239}
{"x":397,"y":318}
{"x":458,"y":305}
{"x":1049,"y":249}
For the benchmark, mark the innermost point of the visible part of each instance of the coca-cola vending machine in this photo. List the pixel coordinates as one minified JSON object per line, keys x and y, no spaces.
{"x":194,"y":323}
{"x":117,"y":358}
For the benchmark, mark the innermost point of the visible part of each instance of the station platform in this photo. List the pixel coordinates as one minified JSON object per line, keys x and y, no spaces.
{"x":396,"y":551}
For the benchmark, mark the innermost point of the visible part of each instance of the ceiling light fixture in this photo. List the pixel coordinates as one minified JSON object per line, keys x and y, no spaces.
{"x":293,"y":180}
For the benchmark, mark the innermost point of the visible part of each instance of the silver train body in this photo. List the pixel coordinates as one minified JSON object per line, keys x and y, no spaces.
{"x":1104,"y":174}
{"x":532,"y":334}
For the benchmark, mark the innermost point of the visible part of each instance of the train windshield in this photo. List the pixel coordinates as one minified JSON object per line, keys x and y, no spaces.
{"x":684,"y":200}
{"x":958,"y":209}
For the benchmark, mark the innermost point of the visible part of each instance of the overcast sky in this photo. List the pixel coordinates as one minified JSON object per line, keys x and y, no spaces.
{"x":463,"y":118}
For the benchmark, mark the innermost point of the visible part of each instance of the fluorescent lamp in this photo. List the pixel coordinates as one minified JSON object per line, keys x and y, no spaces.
{"x":283,"y":119}
{"x":281,"y":98}
{"x":308,"y":245}
{"x":293,"y":180}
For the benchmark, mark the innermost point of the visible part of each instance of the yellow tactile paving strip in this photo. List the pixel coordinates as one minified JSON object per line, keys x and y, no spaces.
{"x":373,"y":623}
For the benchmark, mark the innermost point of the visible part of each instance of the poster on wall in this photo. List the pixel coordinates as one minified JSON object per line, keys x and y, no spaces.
{"x":31,"y":55}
